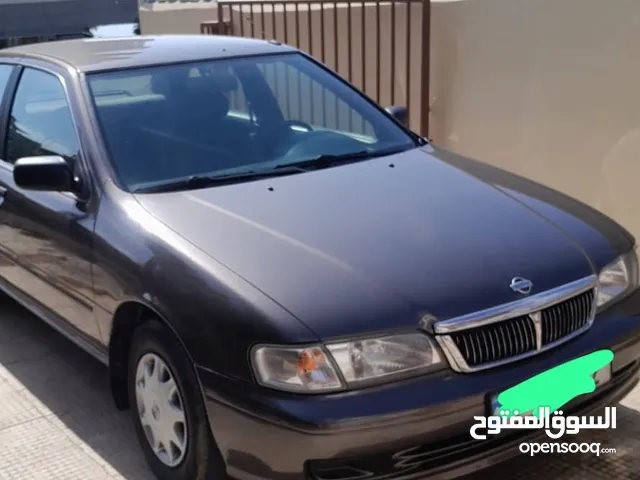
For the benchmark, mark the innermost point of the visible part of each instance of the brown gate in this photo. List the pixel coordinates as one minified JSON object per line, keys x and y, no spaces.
{"x":382,"y":47}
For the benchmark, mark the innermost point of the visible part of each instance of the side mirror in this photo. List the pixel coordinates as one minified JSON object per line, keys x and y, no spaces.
{"x":45,"y":173}
{"x":401,"y":114}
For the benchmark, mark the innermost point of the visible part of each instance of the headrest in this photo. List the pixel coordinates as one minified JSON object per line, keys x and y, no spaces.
{"x":222,"y":83}
{"x":164,"y":82}
{"x":226,"y":82}
{"x":201,"y":96}
{"x":202,"y":102}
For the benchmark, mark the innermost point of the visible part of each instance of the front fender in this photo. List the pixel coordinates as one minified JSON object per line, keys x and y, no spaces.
{"x":216,"y":314}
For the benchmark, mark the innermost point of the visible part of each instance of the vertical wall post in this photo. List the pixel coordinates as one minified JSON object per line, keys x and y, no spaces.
{"x":425,"y":75}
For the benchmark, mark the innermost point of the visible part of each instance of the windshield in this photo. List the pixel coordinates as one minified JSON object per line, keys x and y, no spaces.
{"x":229,"y":116}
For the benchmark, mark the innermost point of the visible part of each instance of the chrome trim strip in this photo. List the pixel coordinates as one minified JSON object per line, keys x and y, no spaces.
{"x":536,"y":318}
{"x":451,"y":351}
{"x":518,"y":308}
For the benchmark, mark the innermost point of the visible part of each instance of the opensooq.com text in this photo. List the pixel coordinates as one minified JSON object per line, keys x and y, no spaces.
{"x":534,"y":448}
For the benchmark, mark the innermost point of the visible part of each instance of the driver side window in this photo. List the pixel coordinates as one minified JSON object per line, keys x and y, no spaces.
{"x":303,"y":99}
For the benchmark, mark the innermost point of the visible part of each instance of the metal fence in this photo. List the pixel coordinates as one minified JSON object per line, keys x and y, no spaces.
{"x":381,"y":47}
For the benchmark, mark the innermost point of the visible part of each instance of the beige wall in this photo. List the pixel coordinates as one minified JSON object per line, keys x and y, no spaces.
{"x":546,"y":88}
{"x":175,"y":18}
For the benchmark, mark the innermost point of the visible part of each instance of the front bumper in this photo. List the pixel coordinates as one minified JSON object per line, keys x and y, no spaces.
{"x":413,"y":429}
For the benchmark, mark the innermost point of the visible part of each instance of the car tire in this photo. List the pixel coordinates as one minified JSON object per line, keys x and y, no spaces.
{"x":157,"y":356}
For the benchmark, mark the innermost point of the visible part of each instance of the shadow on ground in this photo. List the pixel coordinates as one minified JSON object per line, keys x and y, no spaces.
{"x":71,"y":389}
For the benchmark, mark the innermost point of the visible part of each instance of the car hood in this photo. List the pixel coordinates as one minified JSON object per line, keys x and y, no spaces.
{"x":377,"y":244}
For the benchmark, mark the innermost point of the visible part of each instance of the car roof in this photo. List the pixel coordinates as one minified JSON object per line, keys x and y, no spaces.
{"x":100,"y":54}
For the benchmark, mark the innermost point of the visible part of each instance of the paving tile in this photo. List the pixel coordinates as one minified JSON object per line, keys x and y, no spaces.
{"x":15,"y":408}
{"x":37,"y":449}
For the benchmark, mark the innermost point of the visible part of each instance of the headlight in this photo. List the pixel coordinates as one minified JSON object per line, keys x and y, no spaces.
{"x":382,"y":357}
{"x":618,"y":278}
{"x":352,"y":363}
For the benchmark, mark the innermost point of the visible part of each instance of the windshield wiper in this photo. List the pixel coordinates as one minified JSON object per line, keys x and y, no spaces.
{"x":328,"y":160}
{"x":203,"y":181}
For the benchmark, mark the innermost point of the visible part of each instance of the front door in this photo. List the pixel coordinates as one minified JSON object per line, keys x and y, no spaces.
{"x":46,"y":236}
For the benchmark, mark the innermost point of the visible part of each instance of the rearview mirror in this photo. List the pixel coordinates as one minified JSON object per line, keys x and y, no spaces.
{"x":46,"y":173}
{"x":401,"y":114}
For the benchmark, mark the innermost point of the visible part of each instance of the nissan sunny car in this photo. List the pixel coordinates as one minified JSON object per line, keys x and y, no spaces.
{"x":284,"y":281}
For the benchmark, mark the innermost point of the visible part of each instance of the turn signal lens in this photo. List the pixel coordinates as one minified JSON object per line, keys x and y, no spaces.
{"x":295,"y":369}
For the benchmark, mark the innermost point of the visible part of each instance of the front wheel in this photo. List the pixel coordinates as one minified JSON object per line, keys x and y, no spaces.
{"x":168,"y":410}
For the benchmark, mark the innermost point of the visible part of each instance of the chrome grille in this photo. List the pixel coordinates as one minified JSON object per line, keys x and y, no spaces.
{"x":519,"y":329}
{"x":496,"y":342}
{"x":565,"y":318}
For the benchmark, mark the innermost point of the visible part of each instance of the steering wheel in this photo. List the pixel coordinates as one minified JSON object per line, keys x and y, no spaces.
{"x":276,"y":143}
